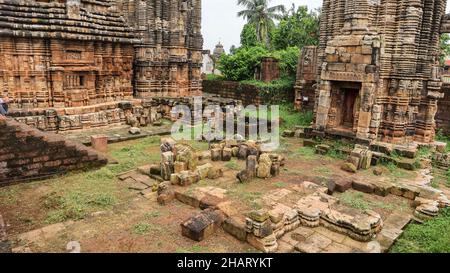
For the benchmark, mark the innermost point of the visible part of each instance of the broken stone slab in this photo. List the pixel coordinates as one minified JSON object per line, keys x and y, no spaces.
{"x":186,"y":154}
{"x":216,"y":154}
{"x":320,"y":209}
{"x":313,"y":244}
{"x":166,"y":170}
{"x":203,"y":170}
{"x":243,"y":176}
{"x":404,"y":190}
{"x":179,"y":166}
{"x":387,"y":237}
{"x":363,"y":186}
{"x":191,"y":198}
{"x":348,"y":167}
{"x":165,"y":193}
{"x":259,"y":215}
{"x":275,"y":169}
{"x":167,"y":144}
{"x":134,"y":131}
{"x":251,"y":166}
{"x":243,"y":151}
{"x":267,"y":244}
{"x":264,"y":166}
{"x":187,"y":178}
{"x":155,"y":170}
{"x":236,"y":227}
{"x":339,"y":184}
{"x":226,"y":154}
{"x":215,"y":172}
{"x":382,"y":187}
{"x":202,"y":225}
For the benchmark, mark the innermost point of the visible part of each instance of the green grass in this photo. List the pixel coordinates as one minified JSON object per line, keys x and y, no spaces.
{"x":307,"y":153}
{"x":358,"y":201}
{"x":141,"y":228}
{"x":440,"y":136}
{"x":247,"y":197}
{"x":232,"y":165}
{"x":280,"y":184}
{"x":433,"y":236}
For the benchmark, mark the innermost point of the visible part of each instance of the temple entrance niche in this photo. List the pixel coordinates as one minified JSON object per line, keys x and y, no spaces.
{"x":345,"y":104}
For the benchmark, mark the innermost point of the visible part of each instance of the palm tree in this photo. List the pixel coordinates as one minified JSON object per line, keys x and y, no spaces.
{"x":258,"y":13}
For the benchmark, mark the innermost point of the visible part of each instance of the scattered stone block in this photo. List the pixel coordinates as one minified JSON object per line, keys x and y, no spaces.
{"x":251,"y":166}
{"x":179,"y":166}
{"x":155,"y":170}
{"x":202,"y":225}
{"x":339,"y":184}
{"x":226,"y":154}
{"x":349,"y":167}
{"x":267,"y":244}
{"x":100,"y":143}
{"x":243,"y":176}
{"x":236,"y":227}
{"x":363,"y":186}
{"x":203,"y":170}
{"x":243,"y":151}
{"x":134,"y":131}
{"x":264,"y":166}
{"x":215,"y":172}
{"x":216,"y":154}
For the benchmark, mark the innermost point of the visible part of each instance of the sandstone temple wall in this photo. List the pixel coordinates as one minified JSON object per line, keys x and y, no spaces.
{"x":169,"y":59}
{"x":443,"y":113}
{"x":79,"y":64}
{"x":27,"y":153}
{"x":378,"y":76}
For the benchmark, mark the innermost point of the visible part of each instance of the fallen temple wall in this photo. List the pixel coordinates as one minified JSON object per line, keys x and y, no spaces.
{"x":27,"y":153}
{"x":69,"y":65}
{"x":377,"y":70}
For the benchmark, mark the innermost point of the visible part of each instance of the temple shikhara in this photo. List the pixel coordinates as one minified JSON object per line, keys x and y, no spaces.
{"x":169,"y":58}
{"x":79,"y":64}
{"x":377,"y":73}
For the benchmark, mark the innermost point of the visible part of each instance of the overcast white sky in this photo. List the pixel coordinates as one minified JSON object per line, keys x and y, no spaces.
{"x":220,"y":21}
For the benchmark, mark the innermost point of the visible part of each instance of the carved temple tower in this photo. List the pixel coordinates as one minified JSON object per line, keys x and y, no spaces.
{"x":377,"y":73}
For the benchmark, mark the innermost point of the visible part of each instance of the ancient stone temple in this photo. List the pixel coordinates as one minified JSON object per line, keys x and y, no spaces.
{"x":64,"y":63}
{"x":169,"y":60}
{"x":378,"y":75}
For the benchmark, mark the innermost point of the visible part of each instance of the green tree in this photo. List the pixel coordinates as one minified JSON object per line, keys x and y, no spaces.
{"x":241,"y":65}
{"x":297,"y":28}
{"x":288,"y":59}
{"x":261,"y":16}
{"x":248,"y":36}
{"x":445,"y":48}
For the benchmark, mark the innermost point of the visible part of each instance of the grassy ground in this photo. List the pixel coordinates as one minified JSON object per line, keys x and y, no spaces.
{"x":76,"y":195}
{"x":431,"y":237}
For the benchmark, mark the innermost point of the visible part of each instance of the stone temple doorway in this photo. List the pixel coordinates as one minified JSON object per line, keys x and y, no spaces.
{"x":345,"y":103}
{"x":348,"y":110}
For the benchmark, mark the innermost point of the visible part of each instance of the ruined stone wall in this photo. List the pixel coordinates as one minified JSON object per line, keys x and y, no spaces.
{"x":27,"y":153}
{"x":306,"y":78}
{"x":247,"y":93}
{"x":65,"y":63}
{"x":168,"y":62}
{"x":377,"y":69}
{"x":443,"y":113}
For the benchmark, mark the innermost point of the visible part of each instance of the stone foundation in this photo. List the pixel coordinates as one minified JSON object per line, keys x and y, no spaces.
{"x":27,"y":153}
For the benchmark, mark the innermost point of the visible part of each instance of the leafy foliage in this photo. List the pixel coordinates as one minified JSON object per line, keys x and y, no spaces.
{"x":240,"y":66}
{"x":445,"y":48}
{"x":248,"y":36}
{"x":261,"y":16}
{"x":298,"y":28}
